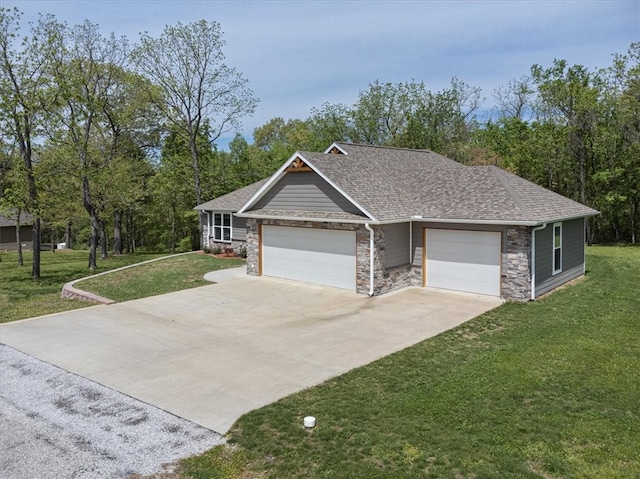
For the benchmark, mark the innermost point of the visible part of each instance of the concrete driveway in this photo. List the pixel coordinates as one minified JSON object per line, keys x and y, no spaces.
{"x":213,"y":353}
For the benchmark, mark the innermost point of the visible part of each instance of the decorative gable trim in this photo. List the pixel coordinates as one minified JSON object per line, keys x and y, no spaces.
{"x":335,"y":149}
{"x":297,"y":165}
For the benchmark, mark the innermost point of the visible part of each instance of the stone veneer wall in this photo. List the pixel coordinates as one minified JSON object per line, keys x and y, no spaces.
{"x":237,"y":245}
{"x":515,"y":261}
{"x":516,"y":270}
{"x":384,"y":280}
{"x":252,"y":247}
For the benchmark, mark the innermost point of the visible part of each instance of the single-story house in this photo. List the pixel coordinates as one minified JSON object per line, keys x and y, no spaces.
{"x":8,"y":232}
{"x":375,"y":219}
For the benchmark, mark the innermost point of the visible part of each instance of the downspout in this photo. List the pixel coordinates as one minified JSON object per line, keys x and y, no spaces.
{"x":371,"y":257}
{"x":410,"y":242}
{"x":533,"y":259}
{"x":208,"y":228}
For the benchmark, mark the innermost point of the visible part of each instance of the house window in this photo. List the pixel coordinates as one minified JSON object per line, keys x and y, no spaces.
{"x":222,"y":227}
{"x":557,"y":248}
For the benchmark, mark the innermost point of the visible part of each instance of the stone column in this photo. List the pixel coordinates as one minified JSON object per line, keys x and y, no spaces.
{"x":516,"y":264}
{"x":253,"y":244}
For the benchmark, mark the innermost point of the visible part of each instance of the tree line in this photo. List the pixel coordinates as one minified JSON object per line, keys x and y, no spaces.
{"x":110,"y":145}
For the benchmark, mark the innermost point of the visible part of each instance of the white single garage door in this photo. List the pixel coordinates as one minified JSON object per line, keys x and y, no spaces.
{"x":319,"y":256}
{"x":463,"y":261}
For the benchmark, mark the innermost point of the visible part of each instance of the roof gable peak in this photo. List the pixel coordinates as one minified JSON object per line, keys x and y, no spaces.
{"x":297,"y":165}
{"x":335,"y":149}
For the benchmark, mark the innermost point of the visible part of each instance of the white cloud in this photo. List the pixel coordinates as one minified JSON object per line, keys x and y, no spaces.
{"x":298,"y":55}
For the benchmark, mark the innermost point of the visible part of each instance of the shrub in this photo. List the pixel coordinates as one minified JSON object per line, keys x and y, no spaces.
{"x":184,"y":245}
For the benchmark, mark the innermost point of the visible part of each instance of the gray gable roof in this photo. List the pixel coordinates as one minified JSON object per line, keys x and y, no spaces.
{"x":232,"y":201}
{"x":393,"y":183}
{"x":25,"y":219}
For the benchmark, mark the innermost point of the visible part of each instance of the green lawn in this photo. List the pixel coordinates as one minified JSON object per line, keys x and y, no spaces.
{"x":542,"y":390}
{"x":549,"y":389}
{"x":21,"y":297}
{"x":171,"y":274}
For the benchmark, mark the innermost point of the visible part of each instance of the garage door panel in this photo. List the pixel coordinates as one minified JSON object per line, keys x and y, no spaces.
{"x":463,"y":261}
{"x":317,"y":256}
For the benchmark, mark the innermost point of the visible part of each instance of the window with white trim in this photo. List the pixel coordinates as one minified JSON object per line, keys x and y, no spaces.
{"x":557,"y":248}
{"x":222,"y":227}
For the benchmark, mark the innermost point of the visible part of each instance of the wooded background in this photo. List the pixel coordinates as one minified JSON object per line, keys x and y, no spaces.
{"x":110,"y":145}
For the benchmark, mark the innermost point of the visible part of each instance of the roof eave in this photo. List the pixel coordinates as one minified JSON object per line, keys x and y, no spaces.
{"x":567,"y":218}
{"x":390,"y":221}
{"x":224,"y":210}
{"x":469,"y":221}
{"x":303,"y":218}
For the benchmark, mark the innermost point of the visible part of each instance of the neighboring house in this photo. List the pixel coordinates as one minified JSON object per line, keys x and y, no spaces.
{"x":8,"y":232}
{"x":374,"y":219}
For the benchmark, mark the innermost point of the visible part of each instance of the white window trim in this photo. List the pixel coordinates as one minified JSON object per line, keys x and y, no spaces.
{"x":222,"y":227}
{"x":556,"y":268}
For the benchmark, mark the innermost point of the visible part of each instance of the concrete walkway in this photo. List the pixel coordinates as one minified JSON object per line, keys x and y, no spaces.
{"x":226,"y":274}
{"x":213,"y":353}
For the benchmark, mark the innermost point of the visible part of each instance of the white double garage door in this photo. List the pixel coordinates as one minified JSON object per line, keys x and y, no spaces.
{"x":318,"y":256}
{"x":457,"y":260}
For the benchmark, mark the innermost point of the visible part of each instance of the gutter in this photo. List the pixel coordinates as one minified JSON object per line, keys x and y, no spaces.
{"x":389,"y":222}
{"x":371,"y":253}
{"x":303,"y":218}
{"x":533,"y":259}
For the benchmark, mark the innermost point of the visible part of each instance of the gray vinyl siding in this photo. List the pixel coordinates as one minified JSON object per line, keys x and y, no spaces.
{"x":558,"y":280}
{"x":419,"y":226}
{"x":572,"y":255}
{"x":544,"y":255}
{"x":396,"y":244}
{"x":239,"y":229}
{"x":572,"y":244}
{"x":305,"y":191}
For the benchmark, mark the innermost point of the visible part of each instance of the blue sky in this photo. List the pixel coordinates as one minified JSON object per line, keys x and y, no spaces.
{"x":299,"y":54}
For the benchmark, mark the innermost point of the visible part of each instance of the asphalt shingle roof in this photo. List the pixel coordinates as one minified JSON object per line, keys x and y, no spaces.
{"x":396,"y":183}
{"x":393,"y":183}
{"x":25,"y":219}
{"x":232,"y":201}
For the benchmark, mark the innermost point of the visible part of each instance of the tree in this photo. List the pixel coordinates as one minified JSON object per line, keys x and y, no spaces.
{"x":25,"y":98}
{"x":515,"y":99}
{"x":172,"y":196}
{"x":186,"y":62}
{"x":60,"y":189}
{"x":405,"y":115}
{"x":13,"y":197}
{"x":617,"y":180}
{"x":130,"y":125}
{"x":569,"y":97}
{"x":88,"y":73}
{"x":329,"y":123}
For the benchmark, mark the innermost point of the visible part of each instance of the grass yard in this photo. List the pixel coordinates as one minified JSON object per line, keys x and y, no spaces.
{"x":171,"y":274}
{"x":549,"y":389}
{"x":21,"y":297}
